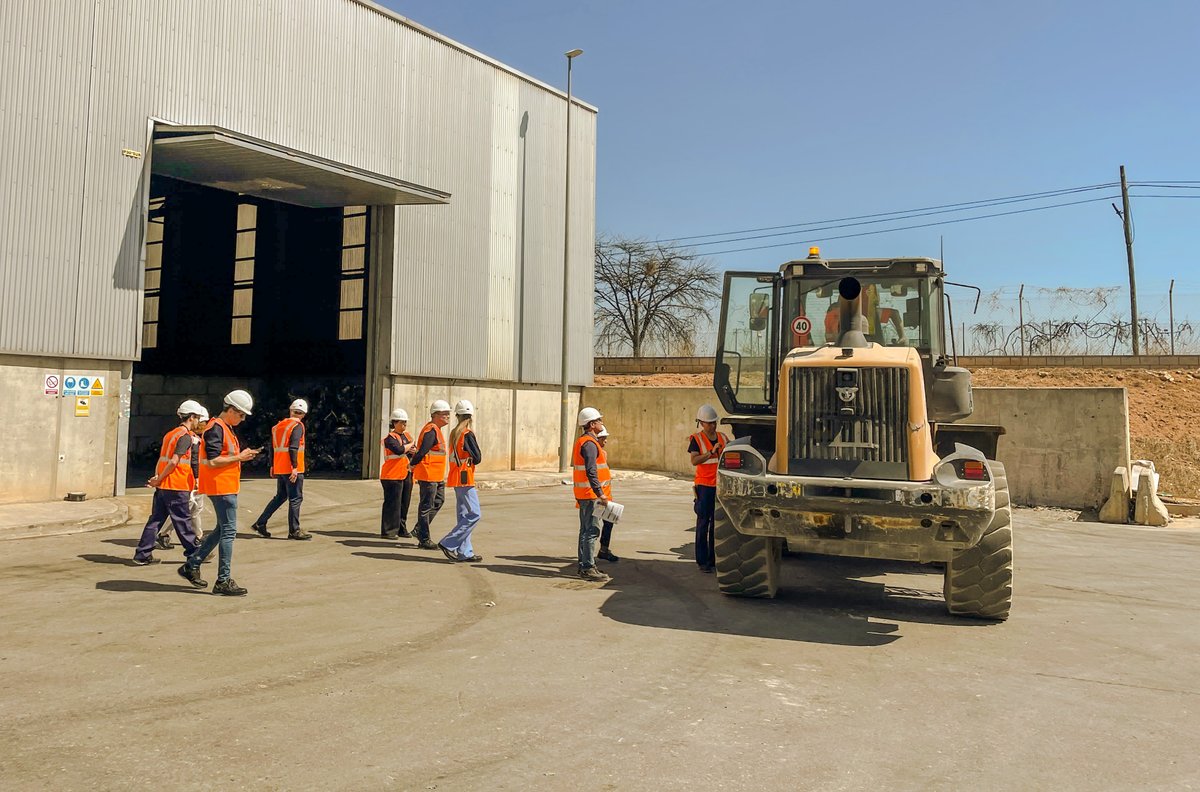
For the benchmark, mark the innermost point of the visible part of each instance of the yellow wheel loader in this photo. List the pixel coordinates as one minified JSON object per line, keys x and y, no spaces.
{"x":847,"y":411}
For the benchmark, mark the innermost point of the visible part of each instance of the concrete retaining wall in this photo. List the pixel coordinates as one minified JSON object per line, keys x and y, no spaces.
{"x":47,"y":451}
{"x":704,"y":365}
{"x":1062,"y":443}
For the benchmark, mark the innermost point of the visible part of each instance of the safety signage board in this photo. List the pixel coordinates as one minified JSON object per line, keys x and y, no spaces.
{"x":82,"y":385}
{"x":801,"y":325}
{"x":83,"y":406}
{"x":52,"y":384}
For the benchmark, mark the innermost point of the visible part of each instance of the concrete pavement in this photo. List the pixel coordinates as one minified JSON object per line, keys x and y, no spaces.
{"x":359,"y":663}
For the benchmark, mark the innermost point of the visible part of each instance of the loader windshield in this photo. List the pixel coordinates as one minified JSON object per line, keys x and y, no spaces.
{"x":897,"y":310}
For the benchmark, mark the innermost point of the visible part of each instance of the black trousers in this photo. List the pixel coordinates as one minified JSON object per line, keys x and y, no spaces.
{"x":433,"y":495}
{"x":397,"y":495}
{"x":289,"y":492}
{"x":606,"y":533}
{"x":706,"y":507}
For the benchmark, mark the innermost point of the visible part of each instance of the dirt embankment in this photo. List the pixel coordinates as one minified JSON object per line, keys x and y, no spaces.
{"x":1164,"y":409}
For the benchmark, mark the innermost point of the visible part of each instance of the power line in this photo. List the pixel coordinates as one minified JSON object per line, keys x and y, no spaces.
{"x":919,"y":225}
{"x":962,"y":205}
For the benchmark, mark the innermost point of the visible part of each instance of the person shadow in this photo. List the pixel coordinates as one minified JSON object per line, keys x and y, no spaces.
{"x":825,"y":600}
{"x":126,"y":586}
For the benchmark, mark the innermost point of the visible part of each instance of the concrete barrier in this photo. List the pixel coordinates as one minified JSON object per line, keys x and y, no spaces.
{"x":1062,"y":443}
{"x":704,"y":365}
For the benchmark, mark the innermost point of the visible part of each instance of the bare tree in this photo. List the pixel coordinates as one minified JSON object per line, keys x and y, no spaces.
{"x":651,"y":296}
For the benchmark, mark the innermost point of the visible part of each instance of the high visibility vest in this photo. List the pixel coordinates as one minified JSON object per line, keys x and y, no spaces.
{"x":224,"y":480}
{"x":395,"y":466}
{"x":432,"y":466}
{"x":706,"y":472}
{"x":462,"y":469}
{"x":583,"y":488}
{"x":181,"y":478}
{"x":281,"y":458}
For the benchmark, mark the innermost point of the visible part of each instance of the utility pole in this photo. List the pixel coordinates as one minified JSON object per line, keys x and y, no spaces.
{"x":1171,"y":308}
{"x":1133,"y":313}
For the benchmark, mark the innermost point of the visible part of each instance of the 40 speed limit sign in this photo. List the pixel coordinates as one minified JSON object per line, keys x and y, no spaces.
{"x":801,"y":325}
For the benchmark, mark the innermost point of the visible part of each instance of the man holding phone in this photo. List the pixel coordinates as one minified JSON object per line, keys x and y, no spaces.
{"x":221,"y":458}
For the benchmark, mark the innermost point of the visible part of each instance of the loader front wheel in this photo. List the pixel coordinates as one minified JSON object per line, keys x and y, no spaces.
{"x":979,"y":579}
{"x":747,"y":566}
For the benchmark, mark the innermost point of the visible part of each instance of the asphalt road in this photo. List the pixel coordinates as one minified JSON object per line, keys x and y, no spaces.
{"x":357,"y":663}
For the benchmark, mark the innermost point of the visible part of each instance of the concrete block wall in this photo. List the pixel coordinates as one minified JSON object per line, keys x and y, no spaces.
{"x":517,"y":425}
{"x":46,"y":450}
{"x":1061,"y":443}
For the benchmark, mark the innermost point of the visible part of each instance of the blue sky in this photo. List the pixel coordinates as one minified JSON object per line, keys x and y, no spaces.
{"x":716,"y":117}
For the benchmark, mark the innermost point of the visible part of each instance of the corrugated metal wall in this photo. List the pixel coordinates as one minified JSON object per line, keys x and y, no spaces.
{"x":333,"y":78}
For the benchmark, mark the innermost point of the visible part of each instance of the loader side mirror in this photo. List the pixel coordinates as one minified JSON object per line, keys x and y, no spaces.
{"x":760,"y":309}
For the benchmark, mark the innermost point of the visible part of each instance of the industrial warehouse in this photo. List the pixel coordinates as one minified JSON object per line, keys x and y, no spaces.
{"x":301,"y":198}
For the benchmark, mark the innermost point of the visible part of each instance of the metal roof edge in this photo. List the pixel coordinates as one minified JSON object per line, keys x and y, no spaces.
{"x":405,"y":21}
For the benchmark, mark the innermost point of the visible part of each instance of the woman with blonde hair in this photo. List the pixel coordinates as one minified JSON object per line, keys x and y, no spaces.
{"x":464,"y":456}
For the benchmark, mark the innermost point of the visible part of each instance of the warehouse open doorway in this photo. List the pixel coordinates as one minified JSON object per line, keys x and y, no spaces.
{"x":257,"y":272}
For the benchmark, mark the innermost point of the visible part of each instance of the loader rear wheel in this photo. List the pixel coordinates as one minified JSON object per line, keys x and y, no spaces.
{"x":747,"y":566}
{"x":979,"y":579}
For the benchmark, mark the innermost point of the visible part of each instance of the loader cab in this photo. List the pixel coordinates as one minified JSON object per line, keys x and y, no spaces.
{"x":766,"y":316}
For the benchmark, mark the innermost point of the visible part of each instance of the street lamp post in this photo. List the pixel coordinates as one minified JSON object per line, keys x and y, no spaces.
{"x":564,"y":422}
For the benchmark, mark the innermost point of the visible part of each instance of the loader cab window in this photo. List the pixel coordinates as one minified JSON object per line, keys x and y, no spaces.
{"x":746,"y":361}
{"x":897,"y":310}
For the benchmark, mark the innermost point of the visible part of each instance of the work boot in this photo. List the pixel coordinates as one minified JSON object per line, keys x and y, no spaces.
{"x":446,"y":551}
{"x":593,"y":574}
{"x":389,"y":536}
{"x":163,"y":542}
{"x":147,"y":561}
{"x":425,"y":544}
{"x":405,"y":534}
{"x":261,"y":530}
{"x":228,"y":588}
{"x":606,"y":555}
{"x":192,"y":576}
{"x":300,"y":536}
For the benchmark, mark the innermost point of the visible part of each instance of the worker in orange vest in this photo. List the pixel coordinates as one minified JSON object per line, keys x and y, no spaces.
{"x":221,"y":458}
{"x":287,"y":466}
{"x":464,"y":456}
{"x":704,"y":448}
{"x":604,"y":553}
{"x":429,"y":471}
{"x":173,"y":481}
{"x":396,"y":477}
{"x":590,"y":477}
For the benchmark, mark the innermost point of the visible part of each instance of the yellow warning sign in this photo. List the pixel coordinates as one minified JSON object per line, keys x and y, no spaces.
{"x":83,"y":406}
{"x":98,"y":386}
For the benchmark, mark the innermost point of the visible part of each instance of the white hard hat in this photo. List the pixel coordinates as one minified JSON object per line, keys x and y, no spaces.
{"x":189,"y":407}
{"x":707,"y":413}
{"x":603,"y":433}
{"x":399,"y":415}
{"x":241,"y":400}
{"x":589,"y":414}
{"x":203,"y":413}
{"x":464,"y":407}
{"x":299,"y":406}
{"x":439,"y":406}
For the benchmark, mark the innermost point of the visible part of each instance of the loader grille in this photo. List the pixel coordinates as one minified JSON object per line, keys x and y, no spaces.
{"x":861,"y":431}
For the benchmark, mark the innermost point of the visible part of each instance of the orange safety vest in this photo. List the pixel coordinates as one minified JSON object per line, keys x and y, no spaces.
{"x":395,"y":466}
{"x":583,"y":488}
{"x":181,"y":478}
{"x":224,"y":480}
{"x":706,"y":472}
{"x":462,"y":469}
{"x":281,"y":458}
{"x":432,"y":466}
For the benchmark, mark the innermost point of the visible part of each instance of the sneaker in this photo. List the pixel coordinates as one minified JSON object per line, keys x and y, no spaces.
{"x":163,"y":542}
{"x":228,"y":588}
{"x":405,"y":534}
{"x":607,"y":555}
{"x":389,"y":536}
{"x":300,"y":536}
{"x":446,"y":551}
{"x":475,"y":559}
{"x":425,"y":544}
{"x":591,"y":573}
{"x":147,"y":561}
{"x":261,"y":530}
{"x":192,"y":576}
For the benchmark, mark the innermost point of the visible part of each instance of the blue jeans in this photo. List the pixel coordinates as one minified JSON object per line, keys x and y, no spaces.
{"x":466,"y":501}
{"x":293,"y":494}
{"x":589,"y":533}
{"x":226,"y":508}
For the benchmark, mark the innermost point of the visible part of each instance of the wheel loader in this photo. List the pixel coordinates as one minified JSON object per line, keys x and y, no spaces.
{"x":848,"y":412}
